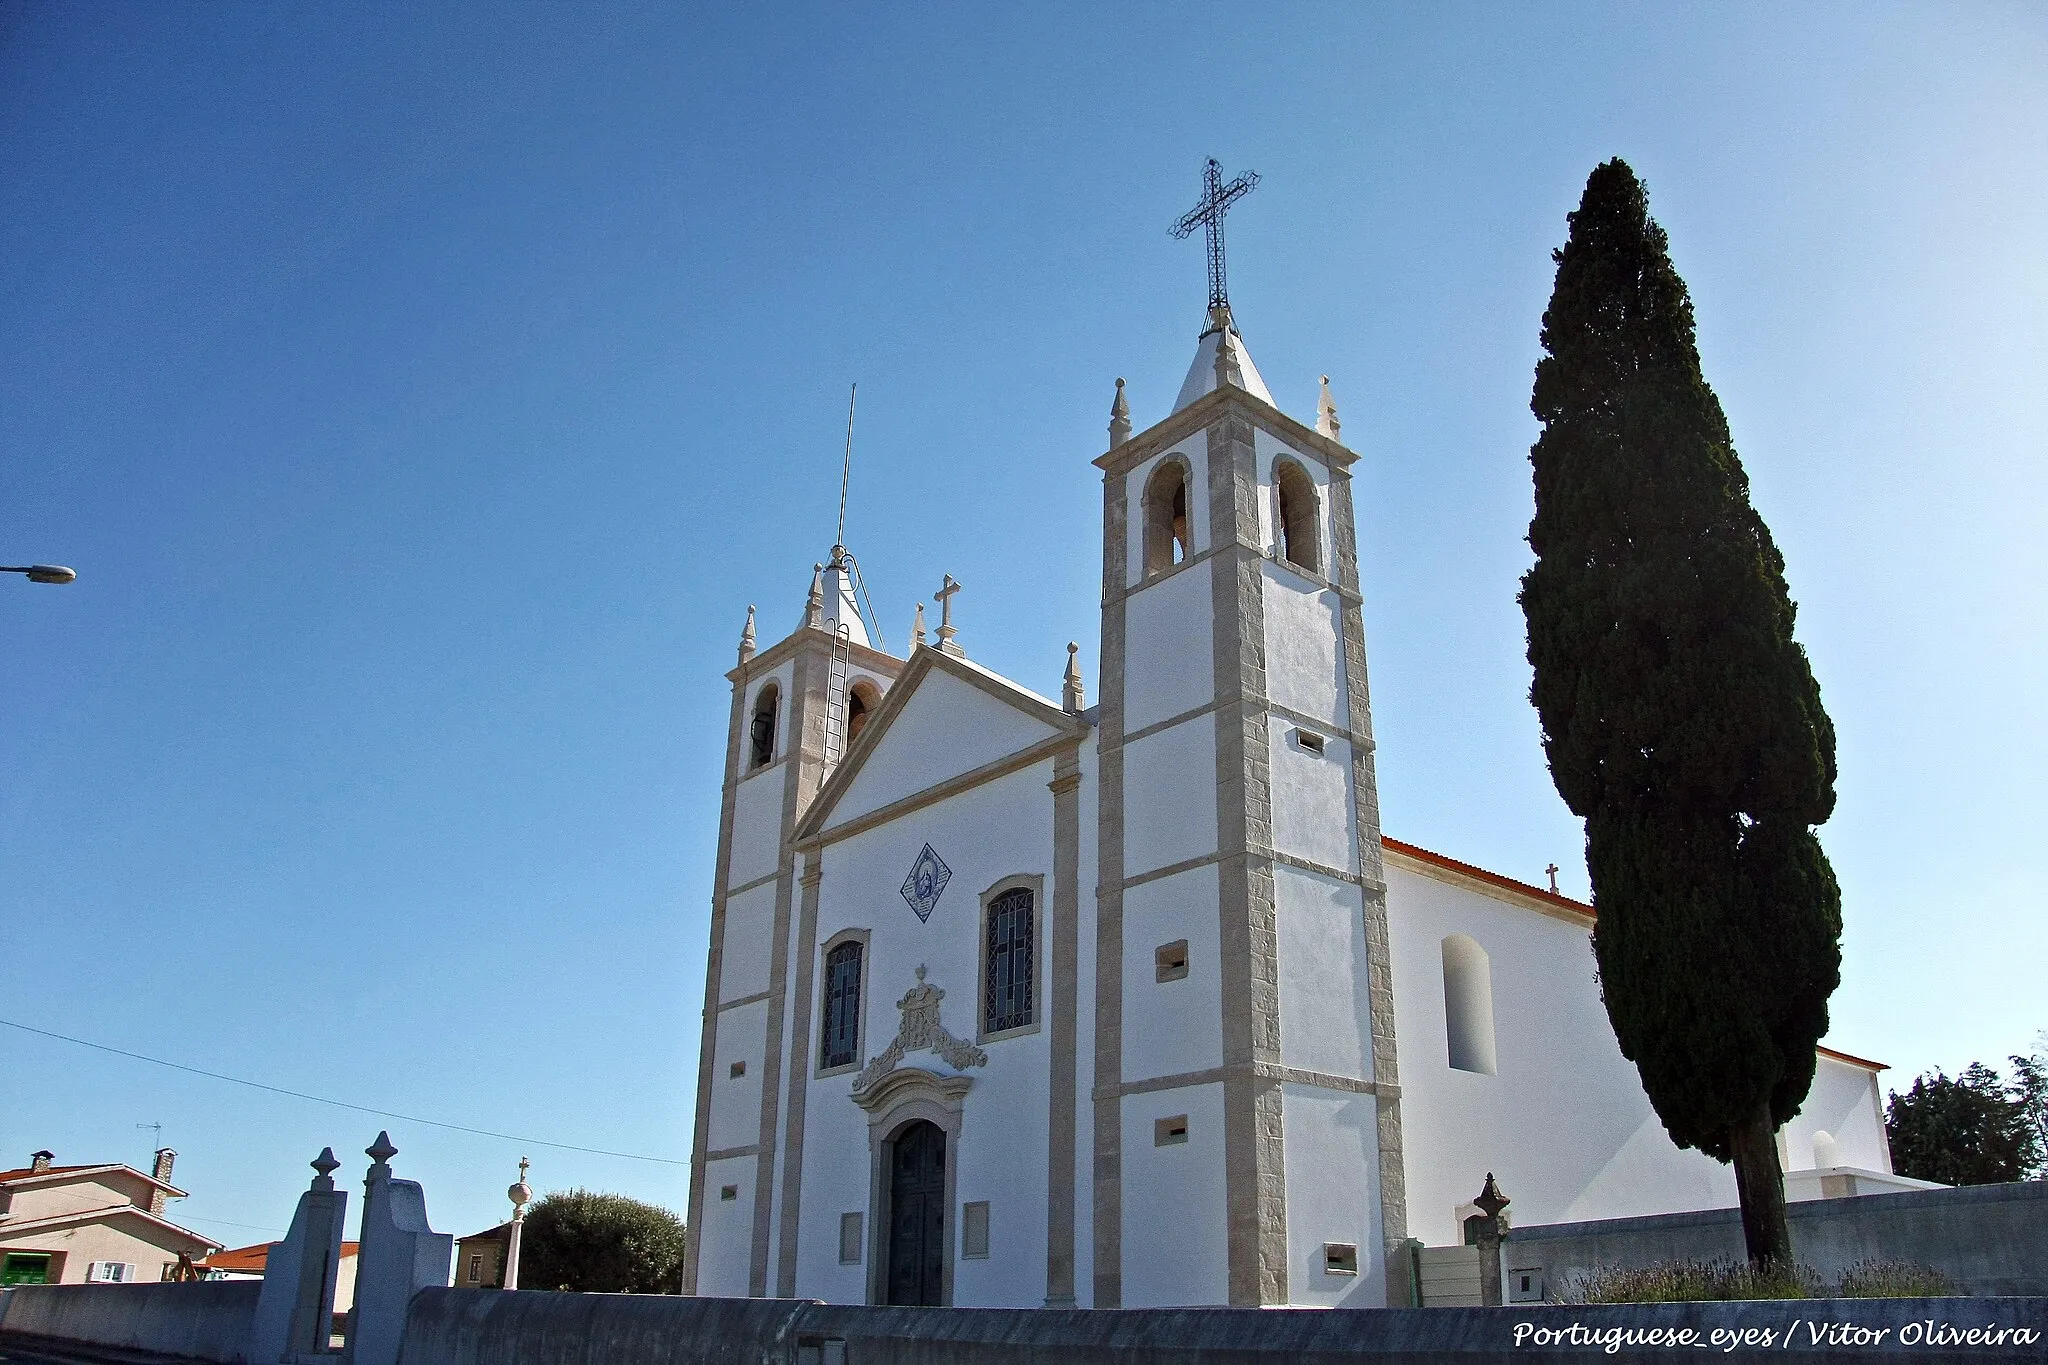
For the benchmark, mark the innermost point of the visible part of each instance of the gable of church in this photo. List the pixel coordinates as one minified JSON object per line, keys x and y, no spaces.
{"x":944,"y":719}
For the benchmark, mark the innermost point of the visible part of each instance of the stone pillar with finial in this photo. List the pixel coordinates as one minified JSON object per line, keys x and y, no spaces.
{"x":1491,"y":1203}
{"x":814,"y":605}
{"x":747,"y":636}
{"x":521,"y":1194}
{"x":295,"y":1308}
{"x":399,"y":1256}
{"x":1119,"y":418}
{"x":917,"y":630}
{"x":1326,"y":413}
{"x":1073,"y":700}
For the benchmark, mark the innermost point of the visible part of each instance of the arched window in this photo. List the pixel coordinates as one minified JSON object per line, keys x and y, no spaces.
{"x":1468,"y":1005}
{"x":1167,"y":537}
{"x":1008,"y":961}
{"x":1300,"y":536}
{"x":861,"y":702}
{"x":761,"y":733}
{"x":840,"y":1043}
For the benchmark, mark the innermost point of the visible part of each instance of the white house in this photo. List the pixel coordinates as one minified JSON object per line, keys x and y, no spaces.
{"x":1016,"y":1001}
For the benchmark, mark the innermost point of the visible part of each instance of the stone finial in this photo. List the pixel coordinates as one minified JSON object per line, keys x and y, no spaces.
{"x":380,"y":1152}
{"x":946,"y":627}
{"x":521,"y":1193}
{"x":1072,"y":698}
{"x":1326,"y":412}
{"x":747,"y":636}
{"x":814,"y":605}
{"x":1119,"y":418}
{"x":1491,"y":1201}
{"x":917,"y":628}
{"x":1227,"y":369}
{"x":324,"y":1166}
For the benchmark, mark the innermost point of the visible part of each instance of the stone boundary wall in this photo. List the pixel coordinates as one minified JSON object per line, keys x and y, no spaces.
{"x":1988,"y":1239}
{"x":492,"y":1327}
{"x":209,"y":1320}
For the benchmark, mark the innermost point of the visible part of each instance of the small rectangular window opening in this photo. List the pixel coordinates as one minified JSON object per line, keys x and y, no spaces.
{"x":1171,"y":960}
{"x":974,"y":1231}
{"x":849,"y":1238}
{"x":728,"y":1191}
{"x":1340,"y":1258}
{"x":1309,"y":740}
{"x":1168,"y":1131}
{"x":738,"y":1069}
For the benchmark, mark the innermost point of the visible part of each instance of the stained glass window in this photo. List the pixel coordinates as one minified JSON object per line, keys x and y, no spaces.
{"x":841,"y":1043}
{"x":1007,"y":991}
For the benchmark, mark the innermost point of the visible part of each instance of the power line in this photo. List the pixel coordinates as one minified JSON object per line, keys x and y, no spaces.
{"x":343,"y":1104}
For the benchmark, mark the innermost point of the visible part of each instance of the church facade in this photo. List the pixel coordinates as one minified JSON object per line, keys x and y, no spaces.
{"x":1015,"y":1001}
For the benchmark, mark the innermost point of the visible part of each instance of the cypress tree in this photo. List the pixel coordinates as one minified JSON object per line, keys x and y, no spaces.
{"x":1680,"y":718}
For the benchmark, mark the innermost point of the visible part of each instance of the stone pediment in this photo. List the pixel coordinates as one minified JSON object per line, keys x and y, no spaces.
{"x":946,"y":723}
{"x":920,"y":1031}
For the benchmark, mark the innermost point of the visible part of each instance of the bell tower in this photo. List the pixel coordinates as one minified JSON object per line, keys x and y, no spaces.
{"x":1246,"y":1121}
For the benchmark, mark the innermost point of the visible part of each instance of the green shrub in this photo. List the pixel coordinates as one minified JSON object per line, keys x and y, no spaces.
{"x":1703,"y":1281}
{"x":1893,"y":1280}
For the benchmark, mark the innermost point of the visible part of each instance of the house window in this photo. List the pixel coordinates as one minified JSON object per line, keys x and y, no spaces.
{"x":1309,"y":741}
{"x":109,"y":1272}
{"x":1468,"y":1005}
{"x":761,"y":732}
{"x":1007,"y":967}
{"x":974,"y":1231}
{"x":1340,"y":1258}
{"x":476,"y":1269}
{"x":25,"y":1267}
{"x":1299,"y":538}
{"x":1167,"y":536}
{"x":840,"y":1045}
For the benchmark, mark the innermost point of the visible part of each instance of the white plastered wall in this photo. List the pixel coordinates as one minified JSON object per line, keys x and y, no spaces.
{"x":725,"y":1228}
{"x":1325,"y":1017}
{"x":742,"y":1036}
{"x":757,"y":825}
{"x":1313,"y":814}
{"x":996,"y":830}
{"x":1170,"y":796}
{"x":1175,"y":1236}
{"x":1329,"y":1137}
{"x":1172,"y":1027}
{"x":1169,"y":666}
{"x":1564,"y":1123}
{"x":1193,"y":452}
{"x":749,"y":935}
{"x":1844,"y":1104}
{"x":1305,"y":648}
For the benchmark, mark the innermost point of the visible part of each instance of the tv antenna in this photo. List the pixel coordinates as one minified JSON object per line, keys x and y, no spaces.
{"x":842,"y":558}
{"x":157,"y":1131}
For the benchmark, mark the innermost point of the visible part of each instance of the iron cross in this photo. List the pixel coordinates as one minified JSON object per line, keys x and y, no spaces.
{"x":1217,"y":198}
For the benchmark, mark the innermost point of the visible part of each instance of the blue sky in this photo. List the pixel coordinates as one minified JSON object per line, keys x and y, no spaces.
{"x":423,"y":393}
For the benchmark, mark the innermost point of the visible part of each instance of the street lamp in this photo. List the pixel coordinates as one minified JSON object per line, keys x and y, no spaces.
{"x":42,"y":573}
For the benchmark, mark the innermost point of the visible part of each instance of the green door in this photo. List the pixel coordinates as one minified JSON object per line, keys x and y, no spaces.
{"x":25,"y":1267}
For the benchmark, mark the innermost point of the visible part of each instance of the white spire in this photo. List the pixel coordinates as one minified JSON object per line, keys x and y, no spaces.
{"x":1326,"y":412}
{"x":1073,"y":697}
{"x":747,"y":636}
{"x":1221,"y":343}
{"x":917,"y":628}
{"x":1119,"y":418}
{"x":837,"y":605}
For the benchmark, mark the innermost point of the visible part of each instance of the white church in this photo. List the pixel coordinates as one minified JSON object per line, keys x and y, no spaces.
{"x":1022,"y":1002}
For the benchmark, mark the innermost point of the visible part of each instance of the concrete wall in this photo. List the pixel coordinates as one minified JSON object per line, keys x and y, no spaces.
{"x":205,"y":1321}
{"x":479,"y":1327}
{"x":1989,"y":1239}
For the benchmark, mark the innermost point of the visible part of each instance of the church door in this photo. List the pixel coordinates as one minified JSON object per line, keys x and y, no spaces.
{"x":917,"y":1215}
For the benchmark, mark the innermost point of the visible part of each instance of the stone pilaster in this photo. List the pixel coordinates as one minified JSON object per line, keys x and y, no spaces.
{"x":1107,"y":1144}
{"x":1063,"y":1031}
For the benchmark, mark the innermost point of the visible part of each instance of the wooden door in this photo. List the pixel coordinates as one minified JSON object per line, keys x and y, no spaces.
{"x":917,"y":1216}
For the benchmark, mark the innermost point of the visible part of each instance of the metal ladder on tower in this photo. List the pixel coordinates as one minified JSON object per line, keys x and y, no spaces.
{"x":835,"y":697}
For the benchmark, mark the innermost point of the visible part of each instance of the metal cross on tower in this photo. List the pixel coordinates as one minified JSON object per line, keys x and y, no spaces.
{"x":1217,"y":198}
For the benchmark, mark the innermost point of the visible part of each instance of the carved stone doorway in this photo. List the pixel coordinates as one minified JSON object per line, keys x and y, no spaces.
{"x":916,"y":1267}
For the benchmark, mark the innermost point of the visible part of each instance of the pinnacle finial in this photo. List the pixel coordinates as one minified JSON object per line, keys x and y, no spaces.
{"x":814,"y":605}
{"x":324,"y":1166}
{"x":1326,"y":412}
{"x":747,"y":636}
{"x":380,"y":1153}
{"x":1228,"y":371}
{"x":1119,"y":418}
{"x":1072,"y":698}
{"x":917,"y":628}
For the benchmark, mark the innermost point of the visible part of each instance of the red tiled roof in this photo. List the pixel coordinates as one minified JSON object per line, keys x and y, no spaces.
{"x":252,"y":1259}
{"x":1421,"y":854}
{"x":1853,"y":1061}
{"x":6,"y":1176}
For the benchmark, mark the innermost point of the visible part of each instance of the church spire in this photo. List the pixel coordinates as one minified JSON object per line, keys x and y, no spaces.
{"x":1326,"y":412}
{"x":747,"y":636}
{"x":1119,"y":418}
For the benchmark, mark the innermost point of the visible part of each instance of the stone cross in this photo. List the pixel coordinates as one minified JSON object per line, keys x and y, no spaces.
{"x":946,"y":629}
{"x":1552,"y":870}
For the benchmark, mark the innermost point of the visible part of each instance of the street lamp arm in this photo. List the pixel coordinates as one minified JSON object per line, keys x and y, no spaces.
{"x":42,"y":573}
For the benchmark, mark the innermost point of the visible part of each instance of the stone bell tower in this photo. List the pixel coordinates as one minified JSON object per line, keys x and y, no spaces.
{"x":795,"y":707}
{"x":1246,"y":1121}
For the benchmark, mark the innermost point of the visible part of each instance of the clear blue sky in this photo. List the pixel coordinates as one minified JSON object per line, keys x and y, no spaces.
{"x":424,"y":391}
